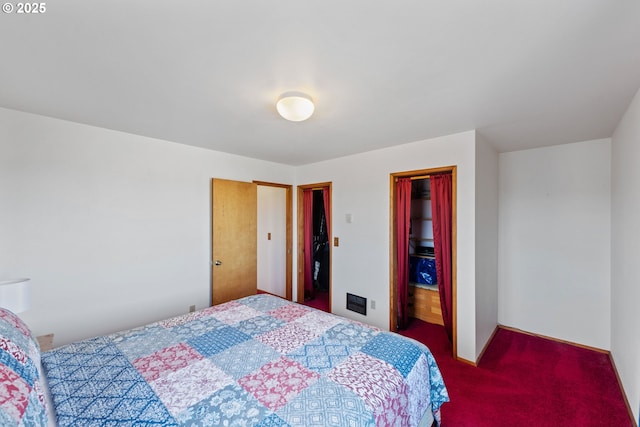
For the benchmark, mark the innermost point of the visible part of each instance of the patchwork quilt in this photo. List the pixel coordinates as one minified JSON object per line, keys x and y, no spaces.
{"x":22,"y":401}
{"x":256,"y":361}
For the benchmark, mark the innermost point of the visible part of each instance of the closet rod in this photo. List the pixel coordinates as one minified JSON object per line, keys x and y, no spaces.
{"x":413,"y":178}
{"x":429,"y":175}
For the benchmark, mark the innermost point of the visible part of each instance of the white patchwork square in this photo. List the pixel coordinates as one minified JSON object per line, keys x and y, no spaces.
{"x":317,"y":322}
{"x":236,"y":314}
{"x":189,"y":385}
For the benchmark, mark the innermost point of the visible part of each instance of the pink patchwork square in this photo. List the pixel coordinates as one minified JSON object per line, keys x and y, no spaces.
{"x":167,"y":360}
{"x":394,"y":410}
{"x":289,"y":312}
{"x":14,"y":350}
{"x":287,"y":338}
{"x":215,"y":309}
{"x":14,"y":320}
{"x":14,"y":393}
{"x":374,"y":380}
{"x":181,"y":320}
{"x":186,"y":387}
{"x":277,"y":382}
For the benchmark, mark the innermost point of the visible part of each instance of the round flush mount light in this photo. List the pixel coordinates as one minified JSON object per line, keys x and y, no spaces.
{"x":295,"y":106}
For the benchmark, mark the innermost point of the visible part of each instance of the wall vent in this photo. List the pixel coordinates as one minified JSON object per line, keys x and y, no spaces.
{"x":357,"y":304}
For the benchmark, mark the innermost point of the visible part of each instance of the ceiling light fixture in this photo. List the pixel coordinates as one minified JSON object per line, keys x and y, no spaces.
{"x":295,"y":106}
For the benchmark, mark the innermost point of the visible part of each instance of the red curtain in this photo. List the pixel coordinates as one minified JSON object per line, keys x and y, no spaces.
{"x":403,"y":218}
{"x":441,"y":214}
{"x":307,"y":207}
{"x":327,"y":210}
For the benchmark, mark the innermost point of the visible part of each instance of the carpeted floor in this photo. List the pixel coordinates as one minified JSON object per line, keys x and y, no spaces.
{"x":320,"y":301}
{"x":523,"y":380}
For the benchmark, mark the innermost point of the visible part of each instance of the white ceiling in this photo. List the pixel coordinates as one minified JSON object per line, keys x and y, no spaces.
{"x":525,"y":73}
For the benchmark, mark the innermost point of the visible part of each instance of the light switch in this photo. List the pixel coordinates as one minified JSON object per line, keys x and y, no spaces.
{"x":268,"y":236}
{"x":336,"y":241}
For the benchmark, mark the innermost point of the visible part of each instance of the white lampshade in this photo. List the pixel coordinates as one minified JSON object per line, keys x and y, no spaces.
{"x":295,"y":106}
{"x":15,"y":294}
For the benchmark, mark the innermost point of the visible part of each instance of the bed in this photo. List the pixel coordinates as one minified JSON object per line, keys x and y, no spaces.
{"x":256,"y":361}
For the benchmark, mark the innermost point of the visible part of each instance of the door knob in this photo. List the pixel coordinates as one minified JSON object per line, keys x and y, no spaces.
{"x":218,"y":262}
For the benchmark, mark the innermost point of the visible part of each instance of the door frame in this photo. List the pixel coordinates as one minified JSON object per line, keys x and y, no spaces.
{"x":289,"y":232}
{"x":300,"y":237}
{"x":393,"y":268}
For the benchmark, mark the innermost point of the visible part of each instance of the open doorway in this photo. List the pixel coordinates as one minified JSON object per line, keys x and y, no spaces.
{"x":314,"y":249}
{"x":275,"y":237}
{"x":423,"y":232}
{"x":237,"y":258}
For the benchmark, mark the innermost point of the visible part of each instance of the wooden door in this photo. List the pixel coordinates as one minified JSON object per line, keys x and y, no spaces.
{"x":234,"y":240}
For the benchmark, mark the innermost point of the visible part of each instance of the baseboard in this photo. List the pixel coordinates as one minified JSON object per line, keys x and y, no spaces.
{"x":624,"y":395}
{"x":479,"y":358}
{"x":575,"y":344}
{"x":466,"y":362}
{"x":486,"y":345}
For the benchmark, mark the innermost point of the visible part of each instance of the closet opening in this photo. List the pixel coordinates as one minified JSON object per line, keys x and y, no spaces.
{"x":320,"y":248}
{"x":423,"y":297}
{"x":423,"y":249}
{"x":314,"y":248}
{"x":275,"y":238}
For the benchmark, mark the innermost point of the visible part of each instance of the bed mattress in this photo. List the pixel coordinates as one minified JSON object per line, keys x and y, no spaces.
{"x":258,"y":361}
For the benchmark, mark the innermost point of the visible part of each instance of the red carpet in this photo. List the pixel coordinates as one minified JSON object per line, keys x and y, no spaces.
{"x":524,"y":380}
{"x":320,"y":301}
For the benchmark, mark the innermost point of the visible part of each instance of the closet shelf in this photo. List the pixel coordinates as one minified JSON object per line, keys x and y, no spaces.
{"x":423,"y":256}
{"x":421,"y":239}
{"x":413,"y":286}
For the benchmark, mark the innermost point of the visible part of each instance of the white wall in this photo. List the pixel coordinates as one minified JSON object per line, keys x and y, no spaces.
{"x":361,"y":187}
{"x":554,"y":241}
{"x":112,"y":228}
{"x":272,"y":251}
{"x":625,"y":252}
{"x":486,"y":290}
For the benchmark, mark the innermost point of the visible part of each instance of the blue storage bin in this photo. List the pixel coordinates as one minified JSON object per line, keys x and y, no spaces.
{"x":422,"y":270}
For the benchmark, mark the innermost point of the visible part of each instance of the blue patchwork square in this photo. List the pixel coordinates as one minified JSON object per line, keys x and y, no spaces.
{"x":143,"y":341}
{"x":216,"y":341}
{"x":319,"y":355}
{"x":263,"y":302}
{"x":326,"y":403}
{"x":352,"y":335}
{"x":273,"y":421}
{"x":197,"y":327}
{"x":92,"y":382}
{"x":231,"y":406}
{"x":395,"y":350}
{"x":259,"y":325}
{"x":254,"y":355}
